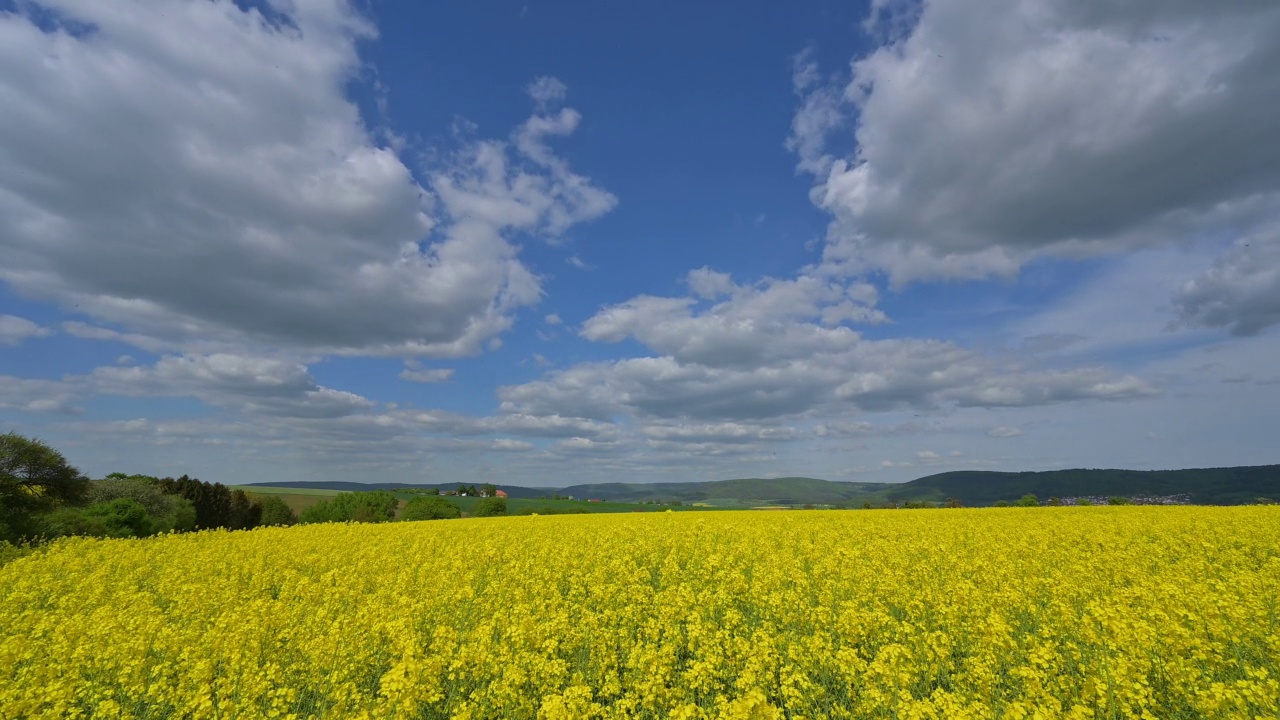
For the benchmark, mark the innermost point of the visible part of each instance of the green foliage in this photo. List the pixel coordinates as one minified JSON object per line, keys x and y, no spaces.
{"x":34,"y":479}
{"x":430,"y":507}
{"x":953,"y":503}
{"x":1205,"y":486}
{"x":275,"y":511}
{"x":375,"y":506}
{"x":1054,"y":502}
{"x":244,"y":513}
{"x":488,"y":489}
{"x":1028,"y":500}
{"x":1002,"y":503}
{"x":212,"y":501}
{"x":119,"y":518}
{"x":166,"y":512}
{"x":1118,"y":500}
{"x":1084,"y":502}
{"x":489,"y":507}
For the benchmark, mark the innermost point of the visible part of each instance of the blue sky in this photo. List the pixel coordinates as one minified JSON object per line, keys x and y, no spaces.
{"x":549,"y":243}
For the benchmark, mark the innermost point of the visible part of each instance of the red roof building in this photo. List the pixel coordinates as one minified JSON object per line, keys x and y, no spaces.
{"x":500,"y":493}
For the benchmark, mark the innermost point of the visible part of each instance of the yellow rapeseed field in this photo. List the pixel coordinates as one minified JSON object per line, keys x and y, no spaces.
{"x":1010,"y":613}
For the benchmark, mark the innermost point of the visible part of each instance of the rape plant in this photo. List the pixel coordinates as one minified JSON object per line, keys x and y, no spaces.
{"x":1102,"y":612}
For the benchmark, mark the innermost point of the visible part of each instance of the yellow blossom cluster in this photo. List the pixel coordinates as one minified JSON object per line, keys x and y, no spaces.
{"x":1102,"y":612}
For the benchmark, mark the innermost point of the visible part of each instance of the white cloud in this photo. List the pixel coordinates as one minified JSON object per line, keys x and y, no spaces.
{"x":988,"y":134}
{"x":1004,"y":431}
{"x":547,"y":90}
{"x":756,"y":324}
{"x":251,"y":385}
{"x":15,"y":330}
{"x":415,"y":372}
{"x":756,"y":357}
{"x":257,"y":207}
{"x":38,"y":396}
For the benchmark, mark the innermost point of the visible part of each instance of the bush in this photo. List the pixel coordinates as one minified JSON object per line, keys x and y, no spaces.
{"x":374,"y":506}
{"x":430,"y":507}
{"x":1084,"y":502}
{"x":1003,"y":503}
{"x":489,"y":507}
{"x":275,"y":511}
{"x":1117,"y":500}
{"x":122,"y":517}
{"x":165,"y":512}
{"x":1028,"y":500}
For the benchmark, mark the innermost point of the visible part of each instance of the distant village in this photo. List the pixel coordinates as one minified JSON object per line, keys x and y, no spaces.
{"x":1138,"y":500}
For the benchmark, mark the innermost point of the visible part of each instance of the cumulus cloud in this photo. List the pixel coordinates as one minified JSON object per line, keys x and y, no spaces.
{"x":762,"y":355}
{"x":752,"y":324}
{"x":15,"y":330}
{"x":224,"y":188}
{"x":987,"y":134}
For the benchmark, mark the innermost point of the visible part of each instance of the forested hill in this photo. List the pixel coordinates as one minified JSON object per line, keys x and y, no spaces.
{"x":1207,"y":486}
{"x":1211,"y":486}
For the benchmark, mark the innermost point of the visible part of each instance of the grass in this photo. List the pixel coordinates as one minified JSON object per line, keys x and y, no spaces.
{"x":298,"y":499}
{"x":267,"y":490}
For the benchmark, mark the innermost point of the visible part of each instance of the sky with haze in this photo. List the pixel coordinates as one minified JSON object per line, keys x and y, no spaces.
{"x":545,"y":243}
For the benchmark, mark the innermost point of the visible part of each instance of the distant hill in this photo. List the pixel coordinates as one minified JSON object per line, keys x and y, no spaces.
{"x":1207,"y":486}
{"x":778,"y":491}
{"x":973,"y":488}
{"x":344,"y":486}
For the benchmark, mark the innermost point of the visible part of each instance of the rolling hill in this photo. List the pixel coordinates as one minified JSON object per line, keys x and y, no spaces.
{"x":1206,"y":486}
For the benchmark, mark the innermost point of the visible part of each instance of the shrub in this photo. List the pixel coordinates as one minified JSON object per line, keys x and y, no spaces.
{"x":374,"y":506}
{"x":122,"y":517}
{"x":275,"y":511}
{"x":166,"y":512}
{"x":1118,"y":500}
{"x":489,"y":507}
{"x":1003,"y":503}
{"x":1028,"y":500}
{"x":430,"y":507}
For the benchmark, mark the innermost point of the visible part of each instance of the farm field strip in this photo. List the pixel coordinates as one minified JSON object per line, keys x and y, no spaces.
{"x":1050,"y":612}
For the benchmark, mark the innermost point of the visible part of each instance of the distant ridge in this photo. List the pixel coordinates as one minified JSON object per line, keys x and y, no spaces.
{"x":974,"y":488}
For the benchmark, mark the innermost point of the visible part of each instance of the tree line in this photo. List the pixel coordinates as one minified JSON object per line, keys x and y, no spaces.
{"x":42,"y":496}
